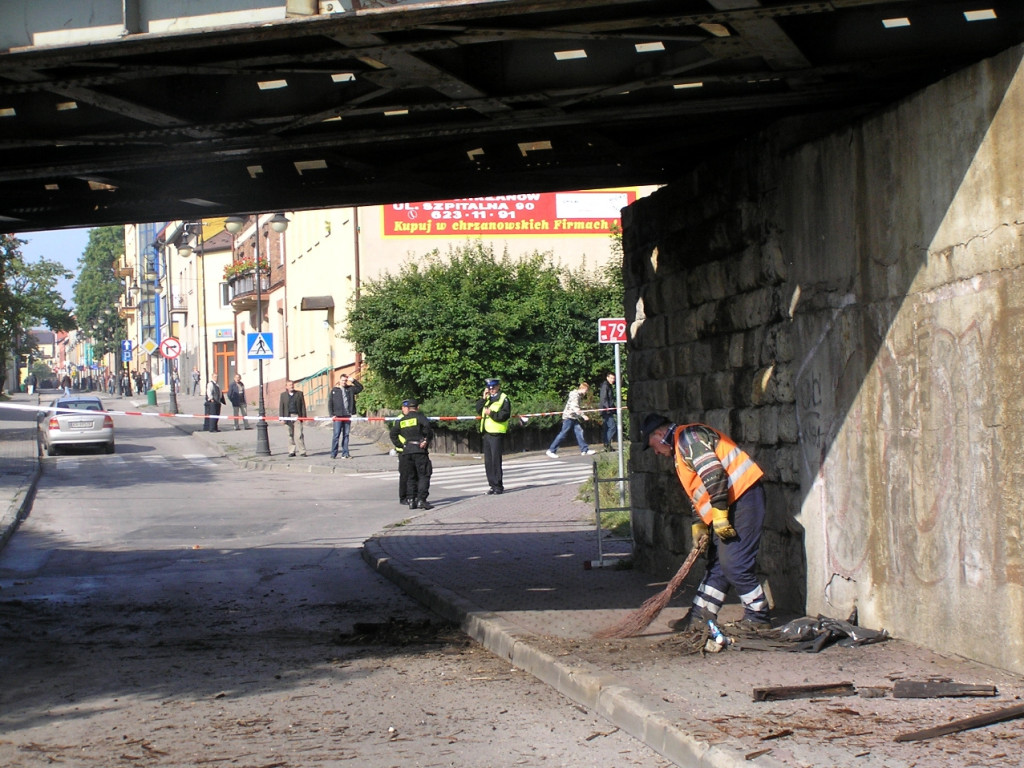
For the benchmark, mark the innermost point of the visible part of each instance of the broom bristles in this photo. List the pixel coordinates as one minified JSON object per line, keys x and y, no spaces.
{"x":640,"y":619}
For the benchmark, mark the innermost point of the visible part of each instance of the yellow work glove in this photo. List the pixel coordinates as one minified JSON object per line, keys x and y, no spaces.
{"x":720,"y":522}
{"x":698,"y":529}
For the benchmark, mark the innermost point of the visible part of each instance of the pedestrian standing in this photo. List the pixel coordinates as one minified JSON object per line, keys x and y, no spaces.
{"x":724,"y":486}
{"x":66,"y":384}
{"x":292,"y":407}
{"x":341,"y":406}
{"x":30,"y":383}
{"x":411,"y":436}
{"x":494,"y":409}
{"x":236,"y":396}
{"x":214,"y":400}
{"x":606,"y":402}
{"x":195,"y":381}
{"x":573,"y":417}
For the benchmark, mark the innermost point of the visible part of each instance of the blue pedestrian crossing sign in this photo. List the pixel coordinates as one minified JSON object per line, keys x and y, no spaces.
{"x":260,"y":346}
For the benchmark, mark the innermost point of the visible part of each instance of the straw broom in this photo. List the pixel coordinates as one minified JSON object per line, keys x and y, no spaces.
{"x":641,"y":619}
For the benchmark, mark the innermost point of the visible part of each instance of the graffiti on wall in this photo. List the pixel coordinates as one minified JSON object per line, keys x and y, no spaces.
{"x":901,"y":448}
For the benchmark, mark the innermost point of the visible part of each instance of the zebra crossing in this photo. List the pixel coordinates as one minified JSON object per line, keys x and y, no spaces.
{"x":471,"y":479}
{"x":73,"y":462}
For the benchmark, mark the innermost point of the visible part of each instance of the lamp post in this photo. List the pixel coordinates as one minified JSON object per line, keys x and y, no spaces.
{"x":170,"y":364}
{"x":185,"y":250}
{"x":136,"y":294}
{"x":152,"y":277}
{"x":278,"y":223}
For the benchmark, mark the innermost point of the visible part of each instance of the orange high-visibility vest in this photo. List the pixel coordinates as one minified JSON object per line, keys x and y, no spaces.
{"x":742,"y":471}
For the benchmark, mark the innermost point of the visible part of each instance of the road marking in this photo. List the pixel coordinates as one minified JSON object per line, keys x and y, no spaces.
{"x":199,"y":460}
{"x":472,"y":479}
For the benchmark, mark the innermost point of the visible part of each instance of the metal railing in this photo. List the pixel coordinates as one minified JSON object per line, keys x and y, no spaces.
{"x":606,"y":536}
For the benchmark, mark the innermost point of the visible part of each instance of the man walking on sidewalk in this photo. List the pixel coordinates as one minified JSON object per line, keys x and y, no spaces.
{"x":292,"y":407}
{"x":572,"y":419}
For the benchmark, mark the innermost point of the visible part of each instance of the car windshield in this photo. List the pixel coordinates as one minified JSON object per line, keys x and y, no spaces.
{"x":81,"y":405}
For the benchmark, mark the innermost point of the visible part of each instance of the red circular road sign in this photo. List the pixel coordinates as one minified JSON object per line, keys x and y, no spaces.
{"x":170,"y":347}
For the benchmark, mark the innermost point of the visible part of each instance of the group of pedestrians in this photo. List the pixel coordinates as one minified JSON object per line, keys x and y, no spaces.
{"x":573,"y":416}
{"x":412,"y":433}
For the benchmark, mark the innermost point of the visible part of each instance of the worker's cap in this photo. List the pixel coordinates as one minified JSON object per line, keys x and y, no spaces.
{"x":410,"y":403}
{"x":648,"y":424}
{"x":492,"y":383}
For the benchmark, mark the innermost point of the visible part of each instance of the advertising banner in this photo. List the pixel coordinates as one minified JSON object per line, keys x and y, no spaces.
{"x":539,"y":214}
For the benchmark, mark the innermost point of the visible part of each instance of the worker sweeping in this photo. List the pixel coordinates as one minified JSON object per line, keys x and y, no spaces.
{"x":725,"y":489}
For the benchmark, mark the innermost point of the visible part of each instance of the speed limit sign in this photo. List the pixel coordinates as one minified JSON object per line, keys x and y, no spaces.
{"x":170,"y":347}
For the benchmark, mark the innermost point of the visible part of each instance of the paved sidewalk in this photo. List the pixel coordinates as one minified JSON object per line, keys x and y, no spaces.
{"x":510,"y":570}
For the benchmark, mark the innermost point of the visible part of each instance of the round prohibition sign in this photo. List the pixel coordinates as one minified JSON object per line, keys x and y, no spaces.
{"x":170,"y":347}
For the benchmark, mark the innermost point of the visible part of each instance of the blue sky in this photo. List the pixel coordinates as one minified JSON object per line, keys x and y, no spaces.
{"x":62,"y":245}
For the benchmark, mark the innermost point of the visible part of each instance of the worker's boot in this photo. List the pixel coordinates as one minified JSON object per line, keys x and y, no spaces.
{"x":697,"y":618}
{"x":754,"y":623}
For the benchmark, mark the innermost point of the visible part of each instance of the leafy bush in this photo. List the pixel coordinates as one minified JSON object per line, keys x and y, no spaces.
{"x":442,"y":325}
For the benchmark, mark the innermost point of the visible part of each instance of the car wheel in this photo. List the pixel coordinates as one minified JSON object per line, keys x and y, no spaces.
{"x":51,"y":450}
{"x":109,"y":447}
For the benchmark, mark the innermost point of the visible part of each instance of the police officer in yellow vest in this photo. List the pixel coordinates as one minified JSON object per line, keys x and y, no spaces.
{"x":412,"y":435}
{"x":494,"y":409}
{"x":724,"y":487}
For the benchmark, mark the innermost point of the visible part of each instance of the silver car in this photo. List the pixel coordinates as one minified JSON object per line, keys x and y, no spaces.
{"x":75,"y":420}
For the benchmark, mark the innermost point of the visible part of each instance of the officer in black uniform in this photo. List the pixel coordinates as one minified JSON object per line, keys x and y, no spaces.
{"x":412,"y":435}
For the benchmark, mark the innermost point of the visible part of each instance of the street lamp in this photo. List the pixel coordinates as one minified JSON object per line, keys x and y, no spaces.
{"x":169,"y":365}
{"x":136,"y":293}
{"x":278,"y":223}
{"x":185,"y":250}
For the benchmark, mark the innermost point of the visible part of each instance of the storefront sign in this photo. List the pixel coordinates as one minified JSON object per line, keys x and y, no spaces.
{"x":541,"y":214}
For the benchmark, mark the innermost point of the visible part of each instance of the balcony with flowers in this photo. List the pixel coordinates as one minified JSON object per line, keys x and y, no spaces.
{"x":241,"y":279}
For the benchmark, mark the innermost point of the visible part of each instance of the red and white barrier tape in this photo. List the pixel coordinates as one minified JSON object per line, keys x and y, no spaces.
{"x":523,"y":417}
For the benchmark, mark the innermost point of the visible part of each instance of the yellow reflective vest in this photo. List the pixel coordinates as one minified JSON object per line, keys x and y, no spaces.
{"x":489,"y":425}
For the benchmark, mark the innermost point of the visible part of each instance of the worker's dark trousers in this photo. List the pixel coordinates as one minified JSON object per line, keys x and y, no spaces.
{"x":734,"y":562}
{"x":419,"y":477}
{"x":405,"y":492}
{"x":492,"y":460}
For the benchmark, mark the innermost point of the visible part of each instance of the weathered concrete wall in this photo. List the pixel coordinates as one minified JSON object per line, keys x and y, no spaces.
{"x":850,"y":310}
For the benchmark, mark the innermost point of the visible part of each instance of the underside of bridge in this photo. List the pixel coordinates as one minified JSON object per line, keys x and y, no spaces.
{"x":109,"y":115}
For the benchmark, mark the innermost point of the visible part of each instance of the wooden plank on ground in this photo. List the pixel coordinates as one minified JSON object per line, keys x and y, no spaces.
{"x":966,"y":724}
{"x":933,"y":689}
{"x":803,"y":691}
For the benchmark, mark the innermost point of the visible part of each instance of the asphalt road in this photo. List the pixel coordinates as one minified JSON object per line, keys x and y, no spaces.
{"x":162,"y":607}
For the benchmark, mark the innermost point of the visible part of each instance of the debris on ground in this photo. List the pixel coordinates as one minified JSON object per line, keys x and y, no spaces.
{"x":814,"y":635}
{"x":780,"y":692}
{"x":978,"y":721}
{"x":934,"y":689}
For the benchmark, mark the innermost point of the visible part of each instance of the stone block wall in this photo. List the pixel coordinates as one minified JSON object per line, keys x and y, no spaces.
{"x":847,"y":307}
{"x":712,"y":341}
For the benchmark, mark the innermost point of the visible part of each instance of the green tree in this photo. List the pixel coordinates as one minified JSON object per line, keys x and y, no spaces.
{"x":441,"y":326}
{"x":98,"y":288}
{"x":28,"y":297}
